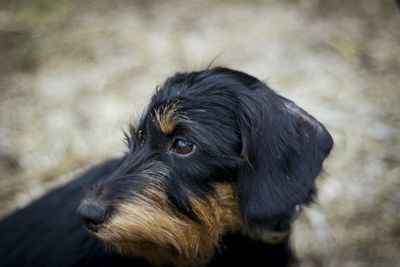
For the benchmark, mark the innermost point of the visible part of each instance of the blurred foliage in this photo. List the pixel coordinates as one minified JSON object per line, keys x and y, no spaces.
{"x":21,"y":23}
{"x":33,"y":13}
{"x":18,"y":51}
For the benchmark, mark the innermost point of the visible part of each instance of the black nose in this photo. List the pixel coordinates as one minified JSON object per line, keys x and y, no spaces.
{"x":92,"y":215}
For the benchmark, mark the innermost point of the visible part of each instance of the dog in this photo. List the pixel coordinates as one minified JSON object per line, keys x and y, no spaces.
{"x":217,"y":169}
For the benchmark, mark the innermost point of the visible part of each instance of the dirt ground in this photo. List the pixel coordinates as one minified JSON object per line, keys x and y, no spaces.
{"x":74,"y":73}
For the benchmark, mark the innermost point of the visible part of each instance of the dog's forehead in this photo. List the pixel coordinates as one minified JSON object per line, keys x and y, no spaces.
{"x":202,"y":83}
{"x":172,"y":103}
{"x":187,"y":98}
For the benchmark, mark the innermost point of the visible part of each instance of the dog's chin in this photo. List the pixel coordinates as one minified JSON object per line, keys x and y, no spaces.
{"x":155,"y":254}
{"x":194,"y":251}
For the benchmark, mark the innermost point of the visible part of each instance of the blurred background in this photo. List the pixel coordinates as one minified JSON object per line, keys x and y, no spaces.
{"x":73,"y":74}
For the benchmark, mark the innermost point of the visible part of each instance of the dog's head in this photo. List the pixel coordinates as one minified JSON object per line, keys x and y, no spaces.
{"x":216,"y":151}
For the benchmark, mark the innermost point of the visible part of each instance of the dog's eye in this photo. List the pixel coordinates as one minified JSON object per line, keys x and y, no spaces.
{"x":183,"y":147}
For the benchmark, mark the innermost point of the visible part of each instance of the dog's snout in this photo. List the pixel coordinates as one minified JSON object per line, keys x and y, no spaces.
{"x":92,"y":215}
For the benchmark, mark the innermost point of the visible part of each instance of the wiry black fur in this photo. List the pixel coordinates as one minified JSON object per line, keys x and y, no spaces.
{"x":245,"y":134}
{"x":48,"y":232}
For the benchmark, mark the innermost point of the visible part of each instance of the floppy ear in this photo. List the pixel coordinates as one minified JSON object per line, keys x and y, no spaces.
{"x":284,"y":148}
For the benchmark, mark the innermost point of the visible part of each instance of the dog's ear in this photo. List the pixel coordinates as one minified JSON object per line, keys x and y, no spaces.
{"x":284,"y":148}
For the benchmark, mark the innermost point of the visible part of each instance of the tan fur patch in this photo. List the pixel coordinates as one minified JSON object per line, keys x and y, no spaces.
{"x":167,"y":117}
{"x":149,"y":228}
